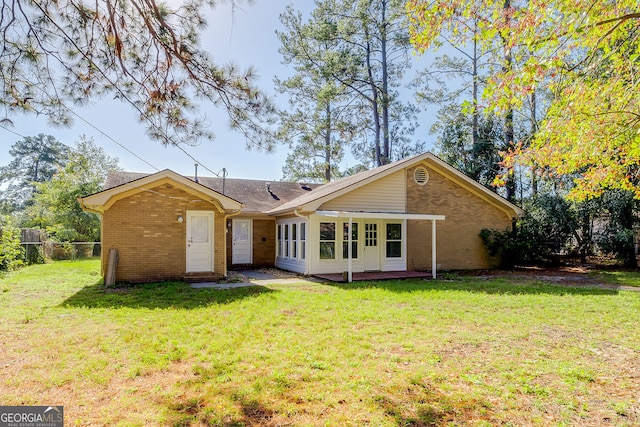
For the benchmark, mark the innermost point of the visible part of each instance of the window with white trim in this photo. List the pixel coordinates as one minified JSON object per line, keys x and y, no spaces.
{"x":291,"y":240}
{"x":286,"y":240}
{"x":354,"y":240}
{"x":303,"y":240}
{"x":327,"y":240}
{"x":294,"y":241}
{"x":279,"y":237}
{"x":394,"y":240}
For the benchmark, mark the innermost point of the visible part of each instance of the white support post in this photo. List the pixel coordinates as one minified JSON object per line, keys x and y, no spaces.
{"x":433,"y":248}
{"x":349,"y":249}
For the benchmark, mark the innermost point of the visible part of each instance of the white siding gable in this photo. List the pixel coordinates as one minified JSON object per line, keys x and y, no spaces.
{"x":387,"y":194}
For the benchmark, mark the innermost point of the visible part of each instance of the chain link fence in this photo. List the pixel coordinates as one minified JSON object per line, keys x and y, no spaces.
{"x":37,"y":248}
{"x":37,"y":252}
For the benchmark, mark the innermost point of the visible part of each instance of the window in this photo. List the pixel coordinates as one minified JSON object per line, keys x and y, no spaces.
{"x":291,"y":240}
{"x":286,"y":240}
{"x":294,"y":241}
{"x":394,"y":240}
{"x":354,"y":241}
{"x":371,"y":235}
{"x":327,"y":240}
{"x":279,"y":237}
{"x":303,"y":240}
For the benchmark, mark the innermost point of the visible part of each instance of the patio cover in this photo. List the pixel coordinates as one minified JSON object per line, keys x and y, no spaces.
{"x":386,"y":215}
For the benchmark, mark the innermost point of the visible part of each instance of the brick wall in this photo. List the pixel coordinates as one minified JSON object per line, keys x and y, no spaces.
{"x":264,"y":251}
{"x":459,"y":245}
{"x":151,"y":243}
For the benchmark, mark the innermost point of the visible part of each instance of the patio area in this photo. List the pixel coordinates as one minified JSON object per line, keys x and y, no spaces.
{"x":375,"y":275}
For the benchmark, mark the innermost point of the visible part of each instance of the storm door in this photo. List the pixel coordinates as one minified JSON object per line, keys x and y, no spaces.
{"x":199,"y":241}
{"x":241,"y":251}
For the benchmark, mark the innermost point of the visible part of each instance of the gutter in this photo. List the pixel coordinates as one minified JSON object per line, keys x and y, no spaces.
{"x":87,"y":208}
{"x":226,"y":230}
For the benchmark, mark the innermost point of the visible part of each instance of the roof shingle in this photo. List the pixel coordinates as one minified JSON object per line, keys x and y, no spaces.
{"x":258,"y":196}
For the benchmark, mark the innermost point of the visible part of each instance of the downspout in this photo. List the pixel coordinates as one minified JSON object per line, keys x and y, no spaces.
{"x":350,"y":251}
{"x":308,"y":229}
{"x":226,"y":230}
{"x":433,"y":249}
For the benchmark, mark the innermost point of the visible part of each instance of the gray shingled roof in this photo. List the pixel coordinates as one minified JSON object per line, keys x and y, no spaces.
{"x":254,"y":194}
{"x":275,"y":197}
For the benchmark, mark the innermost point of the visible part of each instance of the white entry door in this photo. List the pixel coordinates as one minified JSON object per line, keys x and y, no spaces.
{"x":199,"y":241}
{"x":241,"y":251}
{"x":371,"y":253}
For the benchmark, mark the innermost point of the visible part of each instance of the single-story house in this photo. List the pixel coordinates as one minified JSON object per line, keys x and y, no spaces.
{"x":418,"y":213}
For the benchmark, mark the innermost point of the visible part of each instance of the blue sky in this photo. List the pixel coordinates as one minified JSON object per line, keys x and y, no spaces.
{"x":246,"y":37}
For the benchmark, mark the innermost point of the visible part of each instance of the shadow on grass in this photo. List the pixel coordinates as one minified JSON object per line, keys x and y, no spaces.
{"x":256,"y":414}
{"x":423,"y":405}
{"x":195,"y":412}
{"x":158,"y":295}
{"x":619,"y":278}
{"x":490,"y":286}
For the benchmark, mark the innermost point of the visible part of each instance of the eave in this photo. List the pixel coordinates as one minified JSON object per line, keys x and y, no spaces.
{"x":103,"y":200}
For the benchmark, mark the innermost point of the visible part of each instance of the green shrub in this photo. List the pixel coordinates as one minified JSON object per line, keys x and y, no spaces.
{"x":34,"y":254}
{"x":524,"y":245}
{"x":59,"y":233}
{"x":32,"y":240}
{"x":60,"y":250}
{"x":11,"y":251}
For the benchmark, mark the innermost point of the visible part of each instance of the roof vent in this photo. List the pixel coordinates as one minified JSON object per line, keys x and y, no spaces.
{"x":271,"y":192}
{"x":421,"y":175}
{"x":305,"y":187}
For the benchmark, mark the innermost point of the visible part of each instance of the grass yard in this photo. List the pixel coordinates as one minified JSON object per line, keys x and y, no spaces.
{"x":620,"y":277}
{"x":457,"y":352}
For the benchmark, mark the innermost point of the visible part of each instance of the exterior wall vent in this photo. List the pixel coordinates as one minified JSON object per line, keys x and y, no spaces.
{"x":421,"y":175}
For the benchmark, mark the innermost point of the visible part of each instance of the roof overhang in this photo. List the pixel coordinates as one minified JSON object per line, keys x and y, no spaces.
{"x":379,"y":215}
{"x":511,"y":210}
{"x":314,"y":201}
{"x":103,"y":200}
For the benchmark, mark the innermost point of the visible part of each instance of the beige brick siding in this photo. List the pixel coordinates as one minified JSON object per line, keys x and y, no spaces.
{"x":151,"y":243}
{"x":459,"y":245}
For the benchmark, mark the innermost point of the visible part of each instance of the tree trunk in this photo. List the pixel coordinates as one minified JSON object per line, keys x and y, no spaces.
{"x":374,"y":102}
{"x":474,"y":62}
{"x":627,"y":221}
{"x":327,"y":145}
{"x":508,"y":122}
{"x":386,"y":152}
{"x":534,"y":130}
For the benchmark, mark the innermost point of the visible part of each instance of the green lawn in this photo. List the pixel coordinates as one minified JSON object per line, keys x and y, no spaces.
{"x":456,"y":352}
{"x":621,"y":277}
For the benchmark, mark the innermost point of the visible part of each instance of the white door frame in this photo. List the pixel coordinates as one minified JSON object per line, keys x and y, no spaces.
{"x":371,"y":247}
{"x":240,"y":246}
{"x":199,"y":248}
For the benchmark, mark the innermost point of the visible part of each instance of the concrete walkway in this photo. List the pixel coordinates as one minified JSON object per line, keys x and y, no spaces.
{"x":216,"y":285}
{"x":256,"y":278}
{"x":256,"y":275}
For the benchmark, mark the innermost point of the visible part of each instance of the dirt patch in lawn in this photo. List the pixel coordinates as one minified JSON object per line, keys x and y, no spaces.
{"x":575,"y":276}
